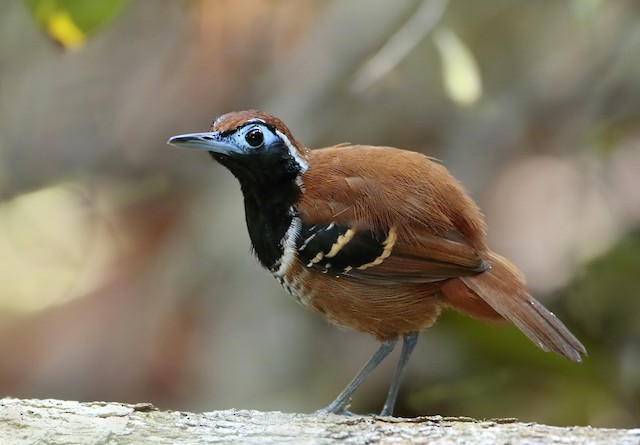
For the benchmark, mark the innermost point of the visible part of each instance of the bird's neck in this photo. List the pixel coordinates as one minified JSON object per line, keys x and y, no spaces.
{"x":269,"y":212}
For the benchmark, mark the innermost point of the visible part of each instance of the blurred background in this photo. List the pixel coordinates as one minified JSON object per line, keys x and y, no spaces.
{"x":125,"y":266}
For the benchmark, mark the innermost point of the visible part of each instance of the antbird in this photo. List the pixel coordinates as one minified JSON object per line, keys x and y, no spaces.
{"x":376,"y":239}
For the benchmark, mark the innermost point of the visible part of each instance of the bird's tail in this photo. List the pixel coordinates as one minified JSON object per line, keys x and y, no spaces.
{"x":500,"y":292}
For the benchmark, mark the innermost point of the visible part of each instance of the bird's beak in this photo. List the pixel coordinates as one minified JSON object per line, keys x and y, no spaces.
{"x":210,"y":141}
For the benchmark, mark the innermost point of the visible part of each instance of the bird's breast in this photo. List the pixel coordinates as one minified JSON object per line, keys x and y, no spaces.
{"x":384,"y":311}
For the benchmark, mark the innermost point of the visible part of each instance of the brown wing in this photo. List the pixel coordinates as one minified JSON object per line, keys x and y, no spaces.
{"x":399,"y":216}
{"x":396,"y":216}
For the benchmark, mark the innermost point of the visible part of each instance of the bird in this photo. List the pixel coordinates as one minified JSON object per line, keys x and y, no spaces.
{"x":375,"y":239}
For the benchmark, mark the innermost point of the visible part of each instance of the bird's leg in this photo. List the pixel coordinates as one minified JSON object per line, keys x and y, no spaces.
{"x":408,"y":343}
{"x":339,"y":405}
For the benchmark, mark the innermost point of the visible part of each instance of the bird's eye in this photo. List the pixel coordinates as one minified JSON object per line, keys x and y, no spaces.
{"x":255,"y":138}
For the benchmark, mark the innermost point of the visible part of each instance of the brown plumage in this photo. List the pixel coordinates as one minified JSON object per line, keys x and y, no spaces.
{"x":375,"y":239}
{"x":440,"y":235}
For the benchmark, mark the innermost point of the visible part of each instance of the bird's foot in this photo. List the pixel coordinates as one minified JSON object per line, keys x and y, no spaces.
{"x":342,"y":412}
{"x":336,"y":408}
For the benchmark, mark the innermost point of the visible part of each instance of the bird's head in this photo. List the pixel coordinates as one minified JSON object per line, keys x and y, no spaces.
{"x":256,"y":147}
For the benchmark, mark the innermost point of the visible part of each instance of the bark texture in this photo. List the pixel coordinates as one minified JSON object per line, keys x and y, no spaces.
{"x":68,"y":422}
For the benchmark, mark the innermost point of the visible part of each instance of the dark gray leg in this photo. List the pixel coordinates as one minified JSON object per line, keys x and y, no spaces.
{"x":339,"y":405}
{"x":408,"y":343}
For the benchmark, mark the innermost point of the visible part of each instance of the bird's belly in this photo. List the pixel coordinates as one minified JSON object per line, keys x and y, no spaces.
{"x":384,"y":311}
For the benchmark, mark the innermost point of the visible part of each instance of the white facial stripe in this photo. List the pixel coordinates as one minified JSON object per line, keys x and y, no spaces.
{"x":304,"y":165}
{"x":294,"y":152}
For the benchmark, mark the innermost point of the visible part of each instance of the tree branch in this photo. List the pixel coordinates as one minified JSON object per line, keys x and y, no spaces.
{"x":62,"y":422}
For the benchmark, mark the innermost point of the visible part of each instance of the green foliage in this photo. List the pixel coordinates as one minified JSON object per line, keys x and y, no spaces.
{"x":69,"y":22}
{"x":607,"y":293}
{"x":607,"y":296}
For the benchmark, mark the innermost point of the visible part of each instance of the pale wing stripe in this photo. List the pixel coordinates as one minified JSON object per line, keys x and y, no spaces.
{"x":388,"y":247}
{"x":340,"y":243}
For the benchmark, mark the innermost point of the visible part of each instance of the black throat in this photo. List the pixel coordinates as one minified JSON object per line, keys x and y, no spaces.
{"x":269,"y":211}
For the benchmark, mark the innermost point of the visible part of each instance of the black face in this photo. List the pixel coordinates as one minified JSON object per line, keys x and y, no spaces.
{"x":267,"y":166}
{"x":256,"y":152}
